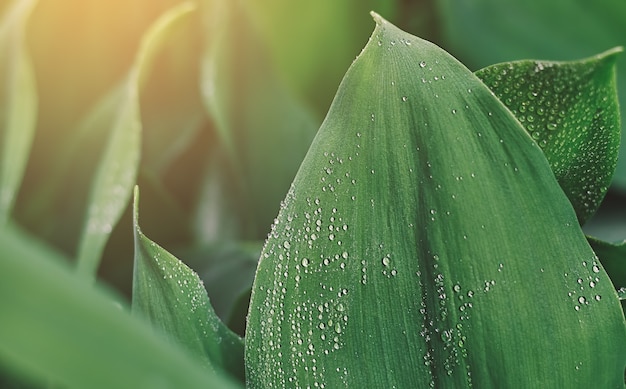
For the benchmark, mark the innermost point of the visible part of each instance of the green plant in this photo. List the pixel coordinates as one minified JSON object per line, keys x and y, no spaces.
{"x":431,"y":237}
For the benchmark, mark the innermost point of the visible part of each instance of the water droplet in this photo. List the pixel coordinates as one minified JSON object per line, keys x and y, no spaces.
{"x":386,"y":261}
{"x":404,"y":98}
{"x":286,"y":244}
{"x":305,"y":262}
{"x":422,"y":64}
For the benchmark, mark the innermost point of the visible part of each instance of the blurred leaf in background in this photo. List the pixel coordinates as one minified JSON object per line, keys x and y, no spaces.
{"x":18,"y":104}
{"x":58,"y":329}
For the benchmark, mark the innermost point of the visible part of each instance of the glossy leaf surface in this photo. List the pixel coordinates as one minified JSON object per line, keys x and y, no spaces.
{"x":115,"y":177}
{"x":58,"y":328}
{"x":416,"y":246}
{"x":570,"y":109}
{"x":18,"y":102}
{"x":174,"y":299}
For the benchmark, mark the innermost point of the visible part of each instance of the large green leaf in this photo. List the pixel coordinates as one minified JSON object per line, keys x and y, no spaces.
{"x":418,"y":246}
{"x":116,"y":173}
{"x":18,"y":103}
{"x":491,"y":31}
{"x":571,"y":110}
{"x":58,"y":328}
{"x":173,"y":298}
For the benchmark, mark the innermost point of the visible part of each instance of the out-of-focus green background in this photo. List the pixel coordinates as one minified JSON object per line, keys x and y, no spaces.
{"x":232,"y":101}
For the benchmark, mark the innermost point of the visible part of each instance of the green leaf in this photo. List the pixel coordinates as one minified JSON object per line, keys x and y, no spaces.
{"x":173,"y":298}
{"x":18,"y":103}
{"x":58,"y":328}
{"x":491,"y":31}
{"x":570,"y":109}
{"x":417,"y":246}
{"x":262,"y":129}
{"x":112,"y":185}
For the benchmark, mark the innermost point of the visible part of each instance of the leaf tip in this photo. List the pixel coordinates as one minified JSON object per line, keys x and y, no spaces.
{"x":136,"y":207}
{"x":378,"y":19}
{"x":611,"y":54}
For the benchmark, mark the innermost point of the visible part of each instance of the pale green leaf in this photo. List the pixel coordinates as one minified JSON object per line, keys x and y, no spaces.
{"x":570,"y":109}
{"x":295,"y":41}
{"x":58,"y":328}
{"x":416,"y":247}
{"x":116,"y":173}
{"x":263,"y":131}
{"x":18,"y":103}
{"x":174,"y":299}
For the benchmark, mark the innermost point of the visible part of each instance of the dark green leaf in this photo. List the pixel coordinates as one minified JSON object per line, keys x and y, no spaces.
{"x":173,"y":298}
{"x":417,"y":246}
{"x":18,"y":103}
{"x":112,"y":185}
{"x":491,"y":31}
{"x":570,"y":109}
{"x":58,"y":328}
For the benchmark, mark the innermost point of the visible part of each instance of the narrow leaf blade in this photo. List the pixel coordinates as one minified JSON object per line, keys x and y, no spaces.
{"x":417,"y":233}
{"x":174,"y":299}
{"x":570,"y":109}
{"x":18,"y":103}
{"x":115,"y":177}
